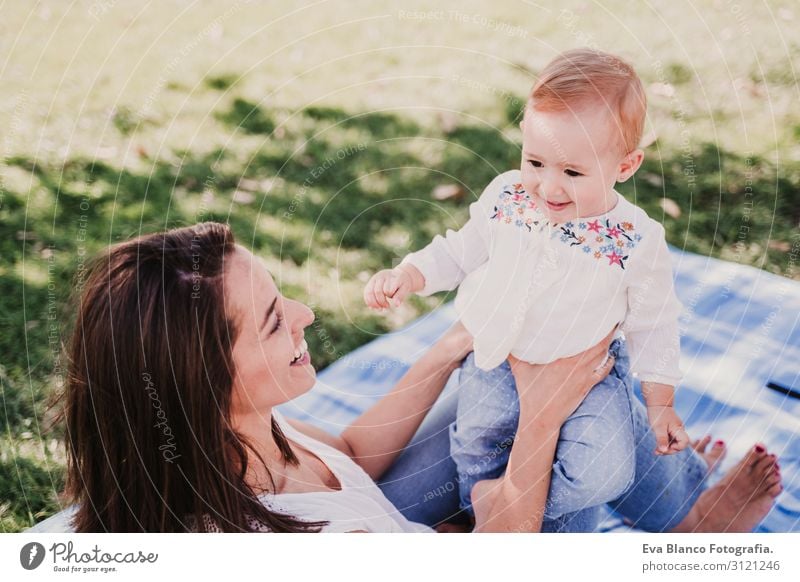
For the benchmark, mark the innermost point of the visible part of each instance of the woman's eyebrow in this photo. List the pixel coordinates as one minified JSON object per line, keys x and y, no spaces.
{"x":269,"y":312}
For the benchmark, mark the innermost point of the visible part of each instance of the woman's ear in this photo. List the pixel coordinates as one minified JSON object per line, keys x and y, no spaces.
{"x":629,"y":164}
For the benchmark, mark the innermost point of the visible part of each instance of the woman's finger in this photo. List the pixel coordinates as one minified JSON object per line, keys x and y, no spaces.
{"x":601,"y":371}
{"x":605,"y":367}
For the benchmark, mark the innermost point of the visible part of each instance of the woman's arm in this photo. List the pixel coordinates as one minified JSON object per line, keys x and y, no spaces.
{"x":548,"y":395}
{"x":379,"y":435}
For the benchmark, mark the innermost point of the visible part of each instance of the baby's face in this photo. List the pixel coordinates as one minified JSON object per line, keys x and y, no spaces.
{"x":571,"y":161}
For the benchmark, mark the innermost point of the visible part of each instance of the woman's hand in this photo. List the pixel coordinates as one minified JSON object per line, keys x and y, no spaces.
{"x":557,"y":389}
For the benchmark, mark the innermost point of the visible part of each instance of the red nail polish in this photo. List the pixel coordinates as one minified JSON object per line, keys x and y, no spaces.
{"x":719,"y":443}
{"x":760,"y":449}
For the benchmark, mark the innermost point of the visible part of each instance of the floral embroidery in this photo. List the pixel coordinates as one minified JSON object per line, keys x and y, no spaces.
{"x":594,"y":226}
{"x":617,"y":239}
{"x":613,"y":239}
{"x":514,"y":201}
{"x":602,"y":238}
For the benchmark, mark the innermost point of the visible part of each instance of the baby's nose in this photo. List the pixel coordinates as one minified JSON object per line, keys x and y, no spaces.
{"x":549,"y":188}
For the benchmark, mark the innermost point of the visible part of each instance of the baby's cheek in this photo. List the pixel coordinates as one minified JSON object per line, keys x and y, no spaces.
{"x":529,"y":179}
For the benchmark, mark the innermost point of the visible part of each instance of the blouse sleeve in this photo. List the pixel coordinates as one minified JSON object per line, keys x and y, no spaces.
{"x":651,"y":324}
{"x":448,"y":259}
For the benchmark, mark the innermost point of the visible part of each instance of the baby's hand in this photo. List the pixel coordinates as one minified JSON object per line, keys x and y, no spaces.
{"x":668,"y":428}
{"x":392,"y":285}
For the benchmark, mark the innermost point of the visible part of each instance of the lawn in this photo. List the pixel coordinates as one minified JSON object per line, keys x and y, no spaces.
{"x":323,"y":134}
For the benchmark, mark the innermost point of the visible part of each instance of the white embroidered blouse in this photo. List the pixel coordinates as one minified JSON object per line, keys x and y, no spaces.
{"x":543,"y":291}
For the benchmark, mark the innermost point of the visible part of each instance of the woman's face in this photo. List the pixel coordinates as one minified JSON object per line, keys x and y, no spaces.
{"x":270,"y":338}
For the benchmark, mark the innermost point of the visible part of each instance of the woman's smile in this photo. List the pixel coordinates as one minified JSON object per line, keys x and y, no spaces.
{"x":301,"y":355}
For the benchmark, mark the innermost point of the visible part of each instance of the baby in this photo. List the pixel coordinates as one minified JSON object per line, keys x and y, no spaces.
{"x":551,"y":260}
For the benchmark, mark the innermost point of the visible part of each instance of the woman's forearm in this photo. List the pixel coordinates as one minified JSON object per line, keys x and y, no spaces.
{"x":516,"y":501}
{"x":548,"y":395}
{"x":379,"y":435}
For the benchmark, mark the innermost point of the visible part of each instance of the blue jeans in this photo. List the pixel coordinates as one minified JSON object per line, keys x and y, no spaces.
{"x":423,"y":482}
{"x":594,"y":461}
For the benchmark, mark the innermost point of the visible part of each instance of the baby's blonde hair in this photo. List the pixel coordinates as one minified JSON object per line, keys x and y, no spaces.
{"x":579,"y":77}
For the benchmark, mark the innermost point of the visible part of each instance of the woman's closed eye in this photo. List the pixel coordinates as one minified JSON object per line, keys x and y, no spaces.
{"x":278,"y":322}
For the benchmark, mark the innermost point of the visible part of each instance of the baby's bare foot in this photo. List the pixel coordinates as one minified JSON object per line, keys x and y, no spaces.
{"x":713,"y":456}
{"x":740,"y":500}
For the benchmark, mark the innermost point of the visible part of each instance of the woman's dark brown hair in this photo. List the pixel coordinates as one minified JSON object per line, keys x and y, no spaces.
{"x":148,"y":398}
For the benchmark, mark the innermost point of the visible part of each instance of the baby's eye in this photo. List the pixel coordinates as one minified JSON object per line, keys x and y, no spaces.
{"x":572,"y":173}
{"x":535,"y":163}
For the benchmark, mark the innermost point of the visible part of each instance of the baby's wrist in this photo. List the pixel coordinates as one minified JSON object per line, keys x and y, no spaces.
{"x":660,"y":395}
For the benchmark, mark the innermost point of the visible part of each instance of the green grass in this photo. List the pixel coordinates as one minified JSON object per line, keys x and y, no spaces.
{"x":320,"y":140}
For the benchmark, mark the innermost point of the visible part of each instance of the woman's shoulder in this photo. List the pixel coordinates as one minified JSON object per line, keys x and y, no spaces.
{"x":316,"y":433}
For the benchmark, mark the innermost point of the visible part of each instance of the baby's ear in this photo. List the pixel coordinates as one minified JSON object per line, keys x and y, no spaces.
{"x":629,"y":164}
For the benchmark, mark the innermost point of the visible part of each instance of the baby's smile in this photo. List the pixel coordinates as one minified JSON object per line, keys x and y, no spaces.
{"x":557,"y":206}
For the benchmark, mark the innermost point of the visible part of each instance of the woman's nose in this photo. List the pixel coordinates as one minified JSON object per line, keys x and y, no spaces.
{"x":304,"y":315}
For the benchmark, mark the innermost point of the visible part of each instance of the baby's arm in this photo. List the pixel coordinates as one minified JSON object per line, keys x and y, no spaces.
{"x":443,"y":264}
{"x":670,"y":434}
{"x":653,"y":338}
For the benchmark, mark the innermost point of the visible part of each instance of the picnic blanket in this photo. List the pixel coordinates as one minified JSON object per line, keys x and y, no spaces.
{"x":740,"y":354}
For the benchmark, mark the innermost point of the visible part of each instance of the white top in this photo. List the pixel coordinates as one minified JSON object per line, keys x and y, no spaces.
{"x":359,"y":506}
{"x":543,"y":291}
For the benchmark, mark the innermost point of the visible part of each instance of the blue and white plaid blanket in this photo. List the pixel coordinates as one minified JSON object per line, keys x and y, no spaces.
{"x":740,"y":355}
